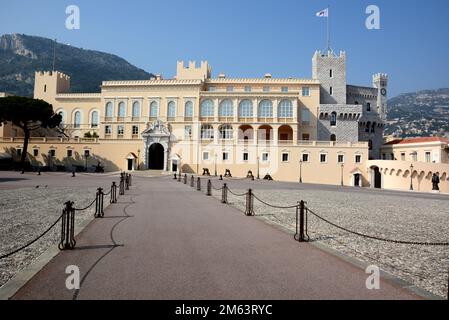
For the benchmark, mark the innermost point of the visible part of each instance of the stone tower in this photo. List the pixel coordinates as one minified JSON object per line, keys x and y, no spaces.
{"x":380,"y":81}
{"x":330,"y":69}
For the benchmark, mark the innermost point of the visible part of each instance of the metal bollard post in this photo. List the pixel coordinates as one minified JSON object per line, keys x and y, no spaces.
{"x":99,"y":213}
{"x":122,"y":186}
{"x":221,"y":177}
{"x":185,"y":178}
{"x":209,"y":188}
{"x":175,"y":177}
{"x":113,"y":193}
{"x":224,"y":194}
{"x":249,"y":204}
{"x":300,"y":236}
{"x":127,"y":181}
{"x":198,"y":184}
{"x":179,"y":177}
{"x":130,"y":180}
{"x":67,"y":227}
{"x":192,"y":182}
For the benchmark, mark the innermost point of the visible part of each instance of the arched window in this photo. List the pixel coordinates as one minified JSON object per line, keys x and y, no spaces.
{"x":333,"y":119}
{"x":109,"y":110}
{"x":188,"y":111}
{"x":94,"y":119}
{"x":285,"y":109}
{"x":121,"y":110}
{"x":368,"y":107}
{"x":226,"y":109}
{"x":153,"y":110}
{"x":246,"y":109}
{"x":226,"y":132}
{"x":207,"y":132}
{"x":266,"y":109}
{"x":136,"y":109}
{"x":171,"y":109}
{"x":207,"y":108}
{"x":77,"y":120}
{"x":333,"y":137}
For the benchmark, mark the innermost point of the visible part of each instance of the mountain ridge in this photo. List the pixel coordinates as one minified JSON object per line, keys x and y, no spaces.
{"x":21,"y":55}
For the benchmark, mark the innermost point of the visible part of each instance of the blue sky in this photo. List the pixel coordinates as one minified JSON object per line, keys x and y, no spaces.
{"x":248,"y":38}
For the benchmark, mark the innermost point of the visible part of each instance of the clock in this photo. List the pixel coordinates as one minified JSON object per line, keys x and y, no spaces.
{"x":383,"y":92}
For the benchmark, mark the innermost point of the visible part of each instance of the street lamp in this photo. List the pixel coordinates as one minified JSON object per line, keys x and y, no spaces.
{"x":86,"y":155}
{"x":138,"y":159}
{"x":215,"y":164}
{"x":411,"y":177}
{"x":300,"y":171}
{"x":342,"y":168}
{"x":258,"y":173}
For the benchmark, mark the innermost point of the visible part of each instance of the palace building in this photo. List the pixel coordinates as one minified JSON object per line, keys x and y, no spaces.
{"x":318,"y":130}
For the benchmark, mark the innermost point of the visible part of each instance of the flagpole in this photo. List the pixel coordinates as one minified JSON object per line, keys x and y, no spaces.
{"x":328,"y":29}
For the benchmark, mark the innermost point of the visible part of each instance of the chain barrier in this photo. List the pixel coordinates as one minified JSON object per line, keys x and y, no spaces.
{"x":273,"y":206}
{"x":198,"y":184}
{"x":31,"y":242}
{"x":99,"y":212}
{"x":90,"y":205}
{"x":113,"y":193}
{"x":224,"y":194}
{"x":236,"y":194}
{"x":249,"y":212}
{"x":379,"y":238}
{"x":68,"y":227}
{"x":209,"y":188}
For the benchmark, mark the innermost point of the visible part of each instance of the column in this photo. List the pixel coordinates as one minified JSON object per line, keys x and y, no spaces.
{"x":275,"y":110}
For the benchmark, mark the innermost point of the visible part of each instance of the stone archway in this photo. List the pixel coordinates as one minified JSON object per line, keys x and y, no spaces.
{"x":156,"y":155}
{"x":376,"y":178}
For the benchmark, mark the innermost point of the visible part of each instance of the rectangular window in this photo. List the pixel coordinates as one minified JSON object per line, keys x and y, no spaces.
{"x":188,"y":132}
{"x":107,"y":129}
{"x":120,"y":130}
{"x":248,"y":89}
{"x":368,"y":107}
{"x":305,"y":91}
{"x":266,"y":89}
{"x":402,"y":156}
{"x":35,"y":152}
{"x":428,"y":157}
{"x":285,"y":157}
{"x":135,"y":130}
{"x":205,"y":155}
{"x":230,"y":89}
{"x":384,"y":156}
{"x":284,"y":89}
{"x":52,"y":153}
{"x":265,"y":156}
{"x":245,"y":156}
{"x":331,"y":73}
{"x":305,"y":157}
{"x":225,"y":156}
{"x":323,"y":158}
{"x":341,"y":158}
{"x":212,"y":89}
{"x":415,"y":156}
{"x":305,"y":116}
{"x":69,"y":153}
{"x":358,"y":158}
{"x":305,"y":137}
{"x":331,"y":91}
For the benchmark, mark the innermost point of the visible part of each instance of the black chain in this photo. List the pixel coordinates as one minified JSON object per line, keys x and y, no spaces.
{"x":236,"y":194}
{"x":90,"y":205}
{"x":378,"y":238}
{"x":274,"y":206}
{"x":31,"y":242}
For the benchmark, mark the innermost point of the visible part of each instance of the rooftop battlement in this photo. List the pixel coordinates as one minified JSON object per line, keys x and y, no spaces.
{"x":192,"y":71}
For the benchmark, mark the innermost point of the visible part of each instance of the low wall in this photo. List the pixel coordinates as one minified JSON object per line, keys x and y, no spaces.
{"x":398,"y":175}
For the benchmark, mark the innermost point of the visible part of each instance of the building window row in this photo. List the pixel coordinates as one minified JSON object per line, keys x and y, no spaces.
{"x":245,"y":109}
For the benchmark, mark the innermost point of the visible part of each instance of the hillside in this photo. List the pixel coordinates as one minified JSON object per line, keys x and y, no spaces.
{"x":422,"y":113}
{"x":22,"y":55}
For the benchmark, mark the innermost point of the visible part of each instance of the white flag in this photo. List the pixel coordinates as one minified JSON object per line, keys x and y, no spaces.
{"x":323,"y":13}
